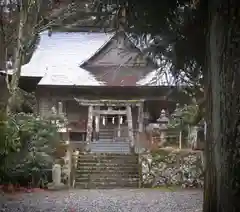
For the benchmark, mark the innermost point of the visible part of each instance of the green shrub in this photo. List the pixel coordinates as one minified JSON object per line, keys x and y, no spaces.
{"x":27,"y":146}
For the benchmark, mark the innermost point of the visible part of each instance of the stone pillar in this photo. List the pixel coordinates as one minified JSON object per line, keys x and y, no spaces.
{"x":130,"y":125}
{"x":56,"y":177}
{"x":89,"y":124}
{"x":69,"y":164}
{"x":69,"y":160}
{"x":56,"y":174}
{"x":180,"y":139}
{"x":193,"y":131}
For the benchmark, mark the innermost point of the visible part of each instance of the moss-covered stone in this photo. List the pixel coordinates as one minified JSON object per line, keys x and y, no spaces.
{"x":171,"y":167}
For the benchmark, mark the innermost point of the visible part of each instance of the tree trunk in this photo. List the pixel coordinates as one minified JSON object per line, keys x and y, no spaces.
{"x":18,"y":58}
{"x":222,"y":180}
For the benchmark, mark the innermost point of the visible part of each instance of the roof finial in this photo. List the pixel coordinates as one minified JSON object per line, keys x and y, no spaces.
{"x":50,"y":32}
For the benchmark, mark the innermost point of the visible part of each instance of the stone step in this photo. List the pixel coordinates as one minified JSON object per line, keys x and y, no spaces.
{"x":102,"y":179}
{"x":106,"y":163}
{"x":107,"y":171}
{"x":109,"y":147}
{"x":108,"y":137}
{"x":121,"y":139}
{"x":104,"y":174}
{"x":125,"y":171}
{"x":132,"y":161}
{"x":104,"y":140}
{"x":109,"y":142}
{"x":108,"y":180}
{"x":110,"y":174}
{"x":107,"y":155}
{"x":113,"y":147}
{"x":104,"y":185}
{"x":106,"y":134}
{"x":98,"y":150}
{"x":118,"y":161}
{"x":107,"y":128}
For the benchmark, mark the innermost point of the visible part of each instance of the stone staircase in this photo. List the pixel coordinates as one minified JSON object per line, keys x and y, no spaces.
{"x":109,"y":132}
{"x":109,"y":146}
{"x":109,"y":143}
{"x":107,"y":171}
{"x":106,"y":134}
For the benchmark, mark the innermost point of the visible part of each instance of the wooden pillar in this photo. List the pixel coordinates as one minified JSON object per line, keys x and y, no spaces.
{"x":89,"y":124}
{"x":140,"y":118}
{"x":130,"y":125}
{"x":119,"y":126}
{"x":60,"y":108}
{"x":140,"y":125}
{"x":97,"y":123}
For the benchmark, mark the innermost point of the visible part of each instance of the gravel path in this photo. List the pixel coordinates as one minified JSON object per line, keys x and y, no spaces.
{"x":117,"y":200}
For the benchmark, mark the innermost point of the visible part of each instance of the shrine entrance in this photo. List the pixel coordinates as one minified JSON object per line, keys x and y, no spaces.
{"x":111,"y":124}
{"x":113,"y":119}
{"x":112,"y":116}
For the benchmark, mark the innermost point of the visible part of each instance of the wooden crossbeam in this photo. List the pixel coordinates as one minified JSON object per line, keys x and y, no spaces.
{"x":108,"y":102}
{"x":109,"y":112}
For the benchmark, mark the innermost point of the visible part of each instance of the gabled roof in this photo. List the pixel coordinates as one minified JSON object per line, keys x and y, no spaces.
{"x":110,"y":45}
{"x":60,"y":55}
{"x":58,"y":58}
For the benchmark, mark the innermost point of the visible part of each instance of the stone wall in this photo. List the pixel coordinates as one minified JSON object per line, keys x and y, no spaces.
{"x":171,"y":167}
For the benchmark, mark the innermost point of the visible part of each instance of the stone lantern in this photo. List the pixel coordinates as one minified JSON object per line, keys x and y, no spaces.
{"x":177,"y":114}
{"x":163,"y":121}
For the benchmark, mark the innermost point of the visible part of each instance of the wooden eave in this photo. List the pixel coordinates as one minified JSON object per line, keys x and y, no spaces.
{"x":87,"y":62}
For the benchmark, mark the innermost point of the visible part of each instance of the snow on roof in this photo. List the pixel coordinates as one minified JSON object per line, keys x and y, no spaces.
{"x":73,"y":76}
{"x":58,"y":57}
{"x":61,"y":53}
{"x":163,"y":77}
{"x":156,"y":78}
